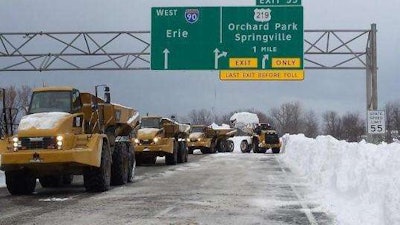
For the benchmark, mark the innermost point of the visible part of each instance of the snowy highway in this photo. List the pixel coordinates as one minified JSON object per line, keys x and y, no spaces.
{"x":223,"y":188}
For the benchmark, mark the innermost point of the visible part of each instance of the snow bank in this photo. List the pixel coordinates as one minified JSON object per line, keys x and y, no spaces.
{"x":41,"y":120}
{"x":359,"y":182}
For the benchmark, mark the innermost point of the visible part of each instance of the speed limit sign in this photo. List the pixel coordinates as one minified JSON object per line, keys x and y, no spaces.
{"x":376,"y":122}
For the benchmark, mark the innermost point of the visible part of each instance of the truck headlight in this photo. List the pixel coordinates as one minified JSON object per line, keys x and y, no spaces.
{"x":156,"y":139}
{"x":198,"y":139}
{"x":59,"y":142}
{"x":16,"y":143}
{"x":137,"y":141}
{"x":188,"y":139}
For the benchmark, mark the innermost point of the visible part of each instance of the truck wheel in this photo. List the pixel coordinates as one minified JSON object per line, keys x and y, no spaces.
{"x":205,"y":150}
{"x":190,"y":150}
{"x":132,"y":165}
{"x":67,"y":179}
{"x":51,"y":181}
{"x":139,"y":160}
{"x":120,"y":164}
{"x":276,"y":150}
{"x":244,"y":146}
{"x":231,"y":146}
{"x":149,"y":160}
{"x":181,"y":152}
{"x":172,"y":158}
{"x":222,"y":146}
{"x":97,"y":179}
{"x":255,"y":146}
{"x":20,"y":183}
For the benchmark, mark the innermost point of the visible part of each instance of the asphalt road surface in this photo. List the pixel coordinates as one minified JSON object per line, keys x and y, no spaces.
{"x":223,"y":188}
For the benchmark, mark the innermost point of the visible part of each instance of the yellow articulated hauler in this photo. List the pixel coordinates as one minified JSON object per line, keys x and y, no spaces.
{"x":209,"y":139}
{"x":67,"y":133}
{"x":159,"y":136}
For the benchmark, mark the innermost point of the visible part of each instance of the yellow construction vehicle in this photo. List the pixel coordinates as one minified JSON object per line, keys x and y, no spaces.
{"x":210,"y":139}
{"x":264,"y":138}
{"x":159,"y":136}
{"x":67,"y":133}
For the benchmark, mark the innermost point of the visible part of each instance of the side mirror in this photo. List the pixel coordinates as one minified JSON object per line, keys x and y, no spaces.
{"x":107,"y":95}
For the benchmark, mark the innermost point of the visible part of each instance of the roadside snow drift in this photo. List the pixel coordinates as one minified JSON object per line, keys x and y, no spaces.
{"x":359,"y":182}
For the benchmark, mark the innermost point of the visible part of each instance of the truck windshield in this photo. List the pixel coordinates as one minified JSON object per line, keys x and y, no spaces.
{"x":51,"y":101}
{"x":150,"y":123}
{"x":197,"y":129}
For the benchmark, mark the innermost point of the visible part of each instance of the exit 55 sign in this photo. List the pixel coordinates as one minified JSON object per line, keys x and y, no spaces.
{"x":227,"y":38}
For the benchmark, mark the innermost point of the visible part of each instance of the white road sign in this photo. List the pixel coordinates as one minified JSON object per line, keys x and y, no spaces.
{"x":376,"y":122}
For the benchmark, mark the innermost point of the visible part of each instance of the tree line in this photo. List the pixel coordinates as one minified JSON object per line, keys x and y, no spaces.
{"x":291,"y":118}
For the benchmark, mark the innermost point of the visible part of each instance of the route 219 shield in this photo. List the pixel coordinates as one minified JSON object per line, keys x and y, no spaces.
{"x":192,"y":15}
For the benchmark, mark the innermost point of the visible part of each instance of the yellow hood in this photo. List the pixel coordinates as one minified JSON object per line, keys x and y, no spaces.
{"x":44,"y":124}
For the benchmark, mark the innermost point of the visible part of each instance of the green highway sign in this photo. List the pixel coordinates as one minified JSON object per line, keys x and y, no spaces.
{"x":223,"y":38}
{"x":278,"y":2}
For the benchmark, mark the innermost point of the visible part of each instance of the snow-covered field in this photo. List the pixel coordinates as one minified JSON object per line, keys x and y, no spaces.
{"x":358,"y":182}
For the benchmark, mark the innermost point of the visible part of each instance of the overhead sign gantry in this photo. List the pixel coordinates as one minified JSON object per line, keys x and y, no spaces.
{"x":244,"y":43}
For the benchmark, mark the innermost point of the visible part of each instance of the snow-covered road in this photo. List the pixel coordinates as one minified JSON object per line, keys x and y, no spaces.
{"x":357,"y":182}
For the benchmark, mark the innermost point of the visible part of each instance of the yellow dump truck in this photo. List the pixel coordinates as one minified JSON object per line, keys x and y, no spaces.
{"x":67,"y":133}
{"x":159,"y":136}
{"x":210,"y":139}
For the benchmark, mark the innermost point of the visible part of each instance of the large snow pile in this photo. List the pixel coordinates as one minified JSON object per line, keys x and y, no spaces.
{"x":244,"y":121}
{"x":359,"y":182}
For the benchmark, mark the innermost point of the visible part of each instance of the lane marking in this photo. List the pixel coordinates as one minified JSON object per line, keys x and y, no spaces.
{"x":304,"y":206}
{"x":165,"y":211}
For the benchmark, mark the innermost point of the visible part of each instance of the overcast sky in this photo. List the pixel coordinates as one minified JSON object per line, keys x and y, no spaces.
{"x":178,"y":92}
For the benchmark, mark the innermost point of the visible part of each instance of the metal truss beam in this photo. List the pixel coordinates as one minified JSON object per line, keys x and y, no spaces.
{"x":52,"y":51}
{"x":130,"y":50}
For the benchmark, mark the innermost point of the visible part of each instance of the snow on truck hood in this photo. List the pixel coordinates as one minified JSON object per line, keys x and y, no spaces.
{"x":43,"y":121}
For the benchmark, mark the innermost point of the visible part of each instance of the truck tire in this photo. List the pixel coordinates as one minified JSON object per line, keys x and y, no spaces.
{"x":244,"y":146}
{"x":190,"y":150}
{"x":149,"y":160}
{"x":172,"y":158}
{"x":181,"y":152}
{"x":231,"y":146}
{"x":51,"y":181}
{"x":205,"y":150}
{"x":120,"y":164}
{"x":67,"y":179}
{"x":97,"y":179}
{"x":222,"y":146}
{"x":276,"y":150}
{"x":255,"y":145}
{"x":20,"y":182}
{"x":186,"y":152}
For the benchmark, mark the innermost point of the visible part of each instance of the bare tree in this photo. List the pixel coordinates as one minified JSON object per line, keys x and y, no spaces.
{"x":287,"y":118}
{"x":311,"y":127}
{"x":353,"y":127}
{"x":393,"y":120}
{"x":202,"y":116}
{"x":332,"y":124}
